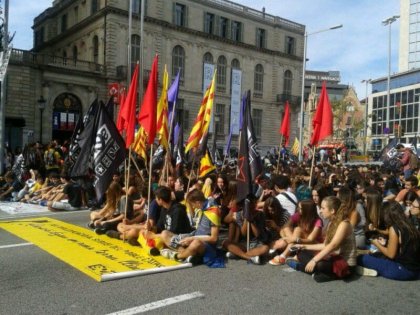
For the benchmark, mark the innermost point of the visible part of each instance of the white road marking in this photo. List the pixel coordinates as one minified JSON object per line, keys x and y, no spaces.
{"x":158,"y":304}
{"x":15,"y":245}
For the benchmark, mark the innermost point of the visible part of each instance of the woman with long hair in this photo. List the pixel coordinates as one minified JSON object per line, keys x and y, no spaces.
{"x":402,"y":251}
{"x":339,"y":245}
{"x":113,"y":196}
{"x":357,"y":215}
{"x":319,"y":192}
{"x":374,"y":217}
{"x":307,"y":228}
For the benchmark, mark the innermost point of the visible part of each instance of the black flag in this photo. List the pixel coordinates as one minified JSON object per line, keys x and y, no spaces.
{"x":249,"y":160}
{"x":389,"y":151}
{"x":108,"y":151}
{"x":77,"y":162}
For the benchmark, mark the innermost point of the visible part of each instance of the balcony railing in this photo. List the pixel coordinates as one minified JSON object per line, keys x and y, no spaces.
{"x":293,"y":100}
{"x":31,"y":58}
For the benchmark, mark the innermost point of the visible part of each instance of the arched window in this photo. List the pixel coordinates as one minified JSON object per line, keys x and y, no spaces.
{"x":64,"y":57}
{"x":208,"y":58}
{"x":95,"y":44}
{"x":135,"y":51}
{"x":287,"y":85}
{"x":221,"y":74}
{"x":74,"y":54}
{"x":235,"y":64}
{"x":259,"y":79}
{"x":178,"y":63}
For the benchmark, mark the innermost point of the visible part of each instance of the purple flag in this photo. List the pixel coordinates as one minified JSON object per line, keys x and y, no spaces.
{"x":173,"y":93}
{"x":229,"y":141}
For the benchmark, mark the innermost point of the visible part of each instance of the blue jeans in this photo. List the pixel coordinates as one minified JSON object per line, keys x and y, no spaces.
{"x":387,"y":268}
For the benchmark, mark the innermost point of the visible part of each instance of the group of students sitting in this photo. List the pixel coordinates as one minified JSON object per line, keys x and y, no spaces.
{"x":57,"y":192}
{"x":333,"y":230}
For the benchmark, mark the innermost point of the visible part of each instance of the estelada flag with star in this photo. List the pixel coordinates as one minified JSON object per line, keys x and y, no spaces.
{"x":249,"y":160}
{"x":323,"y":119}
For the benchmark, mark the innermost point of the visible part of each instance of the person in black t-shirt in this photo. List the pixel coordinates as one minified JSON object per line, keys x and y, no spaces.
{"x":70,"y":199}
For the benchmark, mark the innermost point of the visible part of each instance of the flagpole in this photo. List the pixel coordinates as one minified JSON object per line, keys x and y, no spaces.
{"x":130,"y":25}
{"x":312,"y":167}
{"x":189,"y":177}
{"x":137,"y":167}
{"x":150,"y":183}
{"x":278,"y":159}
{"x":126,"y":186}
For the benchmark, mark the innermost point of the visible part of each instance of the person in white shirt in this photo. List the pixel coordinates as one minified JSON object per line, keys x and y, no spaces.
{"x":287,"y":199}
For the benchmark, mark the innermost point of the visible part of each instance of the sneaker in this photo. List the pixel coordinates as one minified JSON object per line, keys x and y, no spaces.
{"x":113,"y":234}
{"x":292,"y":263}
{"x":278,"y":260}
{"x":272,"y":252}
{"x":255,"y":260}
{"x":322,"y":277}
{"x":363,"y":271}
{"x":100,"y":230}
{"x":194,"y":260}
{"x":231,"y":255}
{"x":169,"y":254}
{"x":154,"y":251}
{"x":133,"y":242}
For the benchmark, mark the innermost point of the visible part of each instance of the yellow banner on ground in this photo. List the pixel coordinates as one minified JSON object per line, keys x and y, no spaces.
{"x":95,"y":255}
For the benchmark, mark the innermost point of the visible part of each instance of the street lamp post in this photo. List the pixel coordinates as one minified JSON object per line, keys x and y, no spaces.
{"x":389,"y":22}
{"x":302,"y":100}
{"x":41,"y":106}
{"x":366,"y":114}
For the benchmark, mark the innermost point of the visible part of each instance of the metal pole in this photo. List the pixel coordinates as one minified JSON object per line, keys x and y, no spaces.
{"x":130,"y":24}
{"x":388,"y":99}
{"x":366,"y":115}
{"x":3,"y":86}
{"x":141,"y":75}
{"x":41,"y":110}
{"x":302,"y":99}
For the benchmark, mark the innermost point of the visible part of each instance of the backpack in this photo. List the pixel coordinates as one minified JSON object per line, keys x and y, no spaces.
{"x":50,"y":158}
{"x":414,"y":161}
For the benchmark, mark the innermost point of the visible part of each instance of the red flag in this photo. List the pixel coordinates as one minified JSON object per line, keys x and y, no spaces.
{"x":323,"y":119}
{"x":147,"y":115}
{"x":285,"y":124}
{"x":120,"y":120}
{"x":127,"y":115}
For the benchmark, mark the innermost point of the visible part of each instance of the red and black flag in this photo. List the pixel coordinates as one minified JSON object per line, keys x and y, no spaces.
{"x":249,"y":160}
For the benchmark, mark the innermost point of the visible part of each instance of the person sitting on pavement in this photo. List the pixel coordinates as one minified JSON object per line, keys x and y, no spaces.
{"x":259,"y":235}
{"x":410,"y":184}
{"x":318,"y":259}
{"x":200,"y":243}
{"x":401,"y":250}
{"x":11,"y":189}
{"x":307,"y":229}
{"x":113,"y":195}
{"x":71,"y":197}
{"x":287,"y":199}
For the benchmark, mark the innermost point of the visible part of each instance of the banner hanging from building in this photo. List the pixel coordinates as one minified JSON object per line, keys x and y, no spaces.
{"x":235,"y":101}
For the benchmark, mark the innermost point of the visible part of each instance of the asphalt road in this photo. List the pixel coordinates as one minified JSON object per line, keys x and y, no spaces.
{"x":35,"y":282}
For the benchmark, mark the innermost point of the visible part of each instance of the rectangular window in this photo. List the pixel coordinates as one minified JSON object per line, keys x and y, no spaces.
{"x":63,"y":23}
{"x":261,"y":38}
{"x":224,"y":27}
{"x":209,"y":23}
{"x":219,"y":119}
{"x":290,"y":45}
{"x":257,"y":121}
{"x":39,"y":36}
{"x":76,"y":14}
{"x":236,"y":31}
{"x":94,"y":6}
{"x":180,"y":17}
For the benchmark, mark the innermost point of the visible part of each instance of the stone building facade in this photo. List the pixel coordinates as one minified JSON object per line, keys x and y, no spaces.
{"x":81,"y":46}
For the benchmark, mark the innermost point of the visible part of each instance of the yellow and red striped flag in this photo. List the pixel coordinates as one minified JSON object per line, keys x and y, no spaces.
{"x":209,"y":105}
{"x":140,"y":143}
{"x":200,"y":123}
{"x":162,"y":113}
{"x":206,"y":165}
{"x":295,"y":147}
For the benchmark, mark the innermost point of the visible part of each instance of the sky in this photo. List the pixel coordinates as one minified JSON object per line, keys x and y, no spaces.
{"x":359,"y":50}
